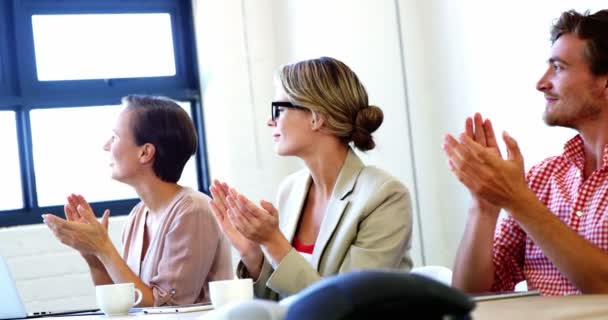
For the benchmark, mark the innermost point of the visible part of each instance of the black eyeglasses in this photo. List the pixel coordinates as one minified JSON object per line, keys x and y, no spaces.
{"x":275,"y":111}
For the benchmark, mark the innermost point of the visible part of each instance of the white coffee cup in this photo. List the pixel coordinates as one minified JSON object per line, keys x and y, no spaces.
{"x":227,"y":291}
{"x":117,"y":299}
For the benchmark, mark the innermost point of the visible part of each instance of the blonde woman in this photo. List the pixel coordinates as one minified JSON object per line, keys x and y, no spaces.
{"x":337,"y":214}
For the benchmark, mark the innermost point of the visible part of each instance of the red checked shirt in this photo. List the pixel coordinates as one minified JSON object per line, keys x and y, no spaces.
{"x":581,"y":204}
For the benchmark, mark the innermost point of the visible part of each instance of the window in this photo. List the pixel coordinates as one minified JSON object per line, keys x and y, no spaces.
{"x":103,"y":46}
{"x":64,"y":67}
{"x":9,"y":171}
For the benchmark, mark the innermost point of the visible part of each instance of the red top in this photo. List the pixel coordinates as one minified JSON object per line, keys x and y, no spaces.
{"x":581,"y":204}
{"x":304,"y":248}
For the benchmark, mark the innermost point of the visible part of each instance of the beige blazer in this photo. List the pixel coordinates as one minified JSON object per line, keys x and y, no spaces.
{"x":367,"y":224}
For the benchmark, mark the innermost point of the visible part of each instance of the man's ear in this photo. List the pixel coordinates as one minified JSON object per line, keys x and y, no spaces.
{"x":147,"y":153}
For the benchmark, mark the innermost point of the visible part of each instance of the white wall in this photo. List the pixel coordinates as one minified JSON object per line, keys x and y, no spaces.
{"x":465,"y":56}
{"x":249,"y":50}
{"x":364,"y":35}
{"x":460,"y":56}
{"x":236,"y":47}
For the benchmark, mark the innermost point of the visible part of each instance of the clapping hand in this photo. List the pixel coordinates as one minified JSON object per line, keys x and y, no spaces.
{"x":475,"y":159}
{"x":81,"y":231}
{"x":220,"y":208}
{"x":257,"y":223}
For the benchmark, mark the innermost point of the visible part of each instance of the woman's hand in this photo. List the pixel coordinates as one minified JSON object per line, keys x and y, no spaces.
{"x":71,"y":213}
{"x":219,"y":207}
{"x":81,"y":230}
{"x":257,"y":223}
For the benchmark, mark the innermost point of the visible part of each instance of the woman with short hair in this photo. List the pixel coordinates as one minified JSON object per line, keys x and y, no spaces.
{"x":172,"y":244}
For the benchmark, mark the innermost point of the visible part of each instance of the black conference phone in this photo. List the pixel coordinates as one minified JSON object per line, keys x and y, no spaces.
{"x":379,"y":294}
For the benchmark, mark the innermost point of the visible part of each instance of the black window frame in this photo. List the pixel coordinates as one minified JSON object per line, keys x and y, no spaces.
{"x":21,"y":92}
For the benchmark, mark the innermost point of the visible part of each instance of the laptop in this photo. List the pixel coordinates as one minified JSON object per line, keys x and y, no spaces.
{"x":11,"y":306}
{"x":504,"y":295}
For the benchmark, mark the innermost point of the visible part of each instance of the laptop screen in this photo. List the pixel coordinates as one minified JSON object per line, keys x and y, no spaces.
{"x":12,"y":307}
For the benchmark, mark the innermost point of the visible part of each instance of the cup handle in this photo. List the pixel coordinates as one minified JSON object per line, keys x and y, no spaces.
{"x":139,"y":296}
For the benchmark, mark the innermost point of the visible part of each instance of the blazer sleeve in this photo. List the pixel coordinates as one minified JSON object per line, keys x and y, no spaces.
{"x":260,"y":290}
{"x":383,"y":240}
{"x":293,"y":274}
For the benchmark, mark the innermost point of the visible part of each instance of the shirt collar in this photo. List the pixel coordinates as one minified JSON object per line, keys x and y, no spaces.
{"x":574,"y":151}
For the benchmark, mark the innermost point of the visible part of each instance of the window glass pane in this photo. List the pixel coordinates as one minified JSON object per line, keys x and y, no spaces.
{"x":69,"y":156}
{"x":10,"y":170}
{"x":103,"y":46}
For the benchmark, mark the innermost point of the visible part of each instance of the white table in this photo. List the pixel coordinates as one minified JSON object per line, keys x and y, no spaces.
{"x":540,"y":308}
{"x":140,"y":316}
{"x":586,"y":307}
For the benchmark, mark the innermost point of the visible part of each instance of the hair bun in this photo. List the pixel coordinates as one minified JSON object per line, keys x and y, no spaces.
{"x":368,"y":120}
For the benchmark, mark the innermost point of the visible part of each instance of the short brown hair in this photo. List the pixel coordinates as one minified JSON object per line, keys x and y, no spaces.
{"x":590,"y":27}
{"x":329,"y":87}
{"x":163,"y":123}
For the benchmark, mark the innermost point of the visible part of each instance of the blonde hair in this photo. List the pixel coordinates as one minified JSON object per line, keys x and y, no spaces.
{"x":329,"y":87}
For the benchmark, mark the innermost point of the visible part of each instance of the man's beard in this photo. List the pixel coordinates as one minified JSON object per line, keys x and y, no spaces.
{"x":571,"y":120}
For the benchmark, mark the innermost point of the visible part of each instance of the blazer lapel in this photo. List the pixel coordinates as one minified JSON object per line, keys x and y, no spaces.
{"x":290,"y":217}
{"x":337,"y":204}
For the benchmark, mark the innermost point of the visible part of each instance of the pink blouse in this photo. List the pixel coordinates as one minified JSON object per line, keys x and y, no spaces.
{"x":187,"y":251}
